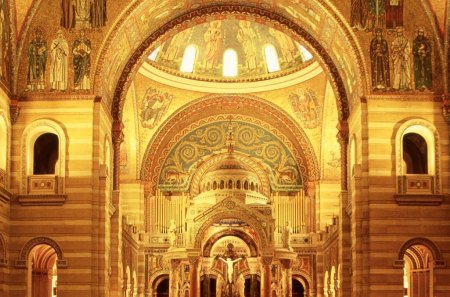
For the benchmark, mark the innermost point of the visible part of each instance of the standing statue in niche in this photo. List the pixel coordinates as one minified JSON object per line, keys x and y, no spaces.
{"x":422,"y":61}
{"x":379,"y":61}
{"x":286,"y":236}
{"x":172,"y":231}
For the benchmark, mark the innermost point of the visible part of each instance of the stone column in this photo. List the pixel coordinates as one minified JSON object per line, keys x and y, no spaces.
{"x":267,"y":277}
{"x":193,"y":276}
{"x":344,"y":223}
{"x":174,"y":278}
{"x":117,"y":138}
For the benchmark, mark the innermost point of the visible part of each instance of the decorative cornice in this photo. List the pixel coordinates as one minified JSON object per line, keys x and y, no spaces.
{"x":419,"y":200}
{"x":41,"y":200}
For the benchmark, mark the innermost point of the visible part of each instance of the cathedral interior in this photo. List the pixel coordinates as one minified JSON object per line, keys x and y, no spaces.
{"x":224,"y":148}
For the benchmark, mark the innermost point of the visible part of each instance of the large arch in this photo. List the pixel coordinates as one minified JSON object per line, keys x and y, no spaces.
{"x":280,"y":21}
{"x":207,"y":248}
{"x":220,"y":107}
{"x":232,"y":208}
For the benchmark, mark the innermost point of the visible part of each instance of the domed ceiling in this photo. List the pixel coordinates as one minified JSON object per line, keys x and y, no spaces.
{"x":229,"y":49}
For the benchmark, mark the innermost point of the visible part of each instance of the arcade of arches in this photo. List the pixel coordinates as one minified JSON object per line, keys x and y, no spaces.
{"x":205,"y":148}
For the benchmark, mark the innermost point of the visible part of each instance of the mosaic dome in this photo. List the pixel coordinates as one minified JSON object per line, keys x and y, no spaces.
{"x":230,"y":49}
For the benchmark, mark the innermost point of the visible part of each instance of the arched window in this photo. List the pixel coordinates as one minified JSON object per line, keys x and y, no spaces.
{"x":214,"y":187}
{"x":415,"y":154}
{"x":222,"y":184}
{"x":272,"y":61}
{"x":154,"y":54}
{"x":45,"y":153}
{"x":44,"y":147}
{"x":245,"y":185}
{"x":188,"y":62}
{"x":238,"y":184}
{"x":306,"y":55}
{"x":230,"y":184}
{"x":230,"y":63}
{"x":417,"y":148}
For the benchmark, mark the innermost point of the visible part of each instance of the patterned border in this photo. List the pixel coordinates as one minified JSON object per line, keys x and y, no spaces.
{"x":195,"y":114}
{"x":134,"y":61}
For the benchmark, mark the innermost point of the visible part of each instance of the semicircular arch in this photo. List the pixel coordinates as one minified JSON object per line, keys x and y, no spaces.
{"x":220,"y":108}
{"x":330,"y":55}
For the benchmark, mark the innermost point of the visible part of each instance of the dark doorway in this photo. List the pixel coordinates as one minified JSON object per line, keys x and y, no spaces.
{"x":163,"y":288}
{"x":252,"y":286}
{"x":297,"y":289}
{"x":208,"y":286}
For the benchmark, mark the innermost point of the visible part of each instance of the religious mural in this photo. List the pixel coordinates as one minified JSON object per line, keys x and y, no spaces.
{"x":81,"y":50}
{"x":422,"y":50}
{"x":409,"y":63}
{"x":249,"y":139}
{"x":153,"y":107}
{"x":59,"y":71}
{"x":306,"y":107}
{"x":83,"y":14}
{"x":5,"y":46}
{"x":37,"y":59}
{"x":54,"y":58}
{"x":370,"y":14}
{"x":247,"y":39}
{"x":397,"y":65}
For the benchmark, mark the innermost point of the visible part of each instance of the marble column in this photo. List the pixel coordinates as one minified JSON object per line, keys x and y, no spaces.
{"x":267,"y":277}
{"x":193,"y":276}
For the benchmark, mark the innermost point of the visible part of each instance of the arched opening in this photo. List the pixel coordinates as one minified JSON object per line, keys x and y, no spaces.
{"x":297,"y":288}
{"x":42,"y":271}
{"x":3,"y":143}
{"x":230,"y":63}
{"x":208,"y":285}
{"x":252,"y":287}
{"x":417,"y":271}
{"x":46,"y":155}
{"x":415,"y":154}
{"x":162,"y":288}
{"x":188,"y":62}
{"x":271,"y":55}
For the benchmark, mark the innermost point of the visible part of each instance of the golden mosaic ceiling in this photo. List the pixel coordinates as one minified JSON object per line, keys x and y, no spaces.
{"x":227,"y":49}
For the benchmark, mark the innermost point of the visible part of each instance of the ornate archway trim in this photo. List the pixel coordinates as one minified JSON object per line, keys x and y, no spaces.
{"x":439,"y":261}
{"x":207,"y":247}
{"x":233,"y":208}
{"x":26,"y":249}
